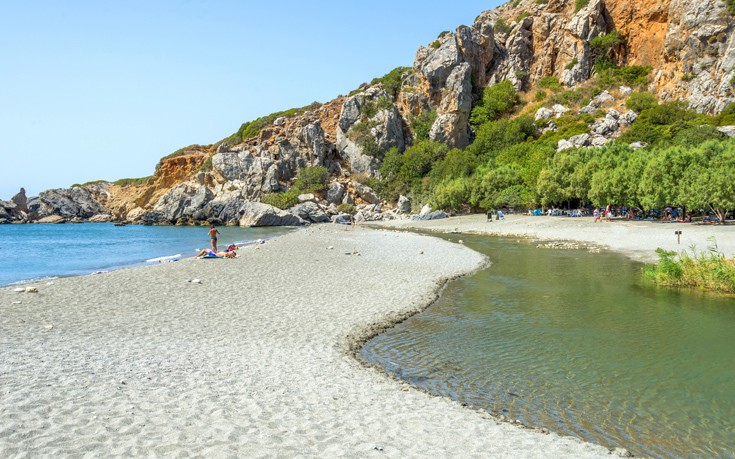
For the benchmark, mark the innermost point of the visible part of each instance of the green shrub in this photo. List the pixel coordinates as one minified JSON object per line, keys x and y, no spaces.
{"x":421,"y":124}
{"x":206,"y":165}
{"x":392,"y":80}
{"x":492,"y":137}
{"x":549,"y":82}
{"x":634,"y":75}
{"x":639,"y":101}
{"x":727,"y":116}
{"x":522,"y":16}
{"x":571,"y":64}
{"x":93,"y":182}
{"x":565,"y":130}
{"x":404,"y":173}
{"x":542,"y":2}
{"x":361,"y":134}
{"x":311,"y":180}
{"x":384,"y":103}
{"x":133,"y":181}
{"x":540,"y":95}
{"x":579,"y":4}
{"x":452,"y":194}
{"x":251,"y":129}
{"x":435,"y":44}
{"x":346,"y":208}
{"x":661,"y":123}
{"x":603,"y":45}
{"x":696,"y":135}
{"x":608,"y":75}
{"x":731,"y":6}
{"x":497,"y":100}
{"x":457,"y":163}
{"x":501,"y":26}
{"x":282,"y":200}
{"x":607,"y":41}
{"x":570,"y":97}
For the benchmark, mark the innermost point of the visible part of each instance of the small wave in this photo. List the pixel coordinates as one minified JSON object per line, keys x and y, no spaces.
{"x":31,"y":281}
{"x":164,"y":259}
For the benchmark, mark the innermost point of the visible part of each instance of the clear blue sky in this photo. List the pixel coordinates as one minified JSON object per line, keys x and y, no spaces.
{"x":101,"y":90}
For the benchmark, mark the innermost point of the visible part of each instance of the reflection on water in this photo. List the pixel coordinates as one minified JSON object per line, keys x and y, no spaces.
{"x":571,"y":341}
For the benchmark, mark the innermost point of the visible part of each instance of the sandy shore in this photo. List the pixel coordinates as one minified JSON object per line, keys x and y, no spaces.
{"x":636,"y":239}
{"x":254,"y":361}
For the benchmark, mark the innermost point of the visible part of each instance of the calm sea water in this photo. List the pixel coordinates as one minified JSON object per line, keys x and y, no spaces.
{"x":31,"y":252}
{"x":572,"y":341}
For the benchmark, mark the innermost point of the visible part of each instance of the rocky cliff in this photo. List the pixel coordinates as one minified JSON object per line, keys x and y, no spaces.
{"x":688,"y":45}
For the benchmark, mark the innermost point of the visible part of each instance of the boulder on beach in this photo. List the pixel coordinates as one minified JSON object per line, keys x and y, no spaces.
{"x":259,"y":214}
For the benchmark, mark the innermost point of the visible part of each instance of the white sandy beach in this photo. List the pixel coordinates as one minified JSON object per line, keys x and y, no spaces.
{"x":636,"y":239}
{"x":256,"y":361}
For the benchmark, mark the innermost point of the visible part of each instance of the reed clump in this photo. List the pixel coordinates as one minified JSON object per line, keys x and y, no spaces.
{"x":708,"y":270}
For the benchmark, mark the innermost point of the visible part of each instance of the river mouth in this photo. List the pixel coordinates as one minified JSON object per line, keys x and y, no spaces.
{"x":572,"y":341}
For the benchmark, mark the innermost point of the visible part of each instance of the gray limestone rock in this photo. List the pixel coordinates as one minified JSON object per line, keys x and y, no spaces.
{"x":310,"y":212}
{"x":383,"y":128}
{"x":559,"y":110}
{"x":69,"y":203}
{"x":342,"y":219}
{"x":21,"y":200}
{"x":603,"y":98}
{"x":404,"y":205}
{"x":180,"y":205}
{"x":543,"y":113}
{"x":335,"y":192}
{"x":259,"y":214}
{"x":637,"y":145}
{"x":365,"y":193}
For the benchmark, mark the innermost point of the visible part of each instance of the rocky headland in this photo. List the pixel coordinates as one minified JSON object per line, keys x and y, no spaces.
{"x":687,"y":45}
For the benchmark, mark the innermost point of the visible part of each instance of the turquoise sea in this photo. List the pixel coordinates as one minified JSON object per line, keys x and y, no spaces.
{"x":33,"y":252}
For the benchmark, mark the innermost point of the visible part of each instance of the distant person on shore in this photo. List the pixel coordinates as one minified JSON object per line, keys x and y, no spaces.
{"x":596,"y":214}
{"x":608,"y":213}
{"x":213,"y":236}
{"x":490,"y":215}
{"x":501,"y":216}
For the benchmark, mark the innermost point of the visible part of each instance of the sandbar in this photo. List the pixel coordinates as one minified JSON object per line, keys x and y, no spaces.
{"x":254,"y":360}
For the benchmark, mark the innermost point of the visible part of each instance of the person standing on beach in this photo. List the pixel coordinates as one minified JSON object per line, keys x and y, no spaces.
{"x":213,"y":236}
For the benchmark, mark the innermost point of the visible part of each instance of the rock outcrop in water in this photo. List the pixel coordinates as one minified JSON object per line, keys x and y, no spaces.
{"x":688,"y":44}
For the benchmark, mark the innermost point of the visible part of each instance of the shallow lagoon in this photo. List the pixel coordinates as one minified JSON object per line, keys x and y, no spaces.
{"x":571,"y":341}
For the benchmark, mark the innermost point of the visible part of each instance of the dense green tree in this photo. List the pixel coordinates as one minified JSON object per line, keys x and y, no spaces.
{"x":709,"y":181}
{"x":497,"y":100}
{"x":493,"y":137}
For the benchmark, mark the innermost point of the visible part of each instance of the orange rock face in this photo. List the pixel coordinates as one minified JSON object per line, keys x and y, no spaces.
{"x":643,"y":23}
{"x":170,"y":172}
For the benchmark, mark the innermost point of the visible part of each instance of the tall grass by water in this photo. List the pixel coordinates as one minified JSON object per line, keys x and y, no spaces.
{"x":708,"y":270}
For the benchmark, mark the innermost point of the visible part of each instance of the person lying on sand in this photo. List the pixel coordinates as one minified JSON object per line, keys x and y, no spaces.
{"x":212,"y":253}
